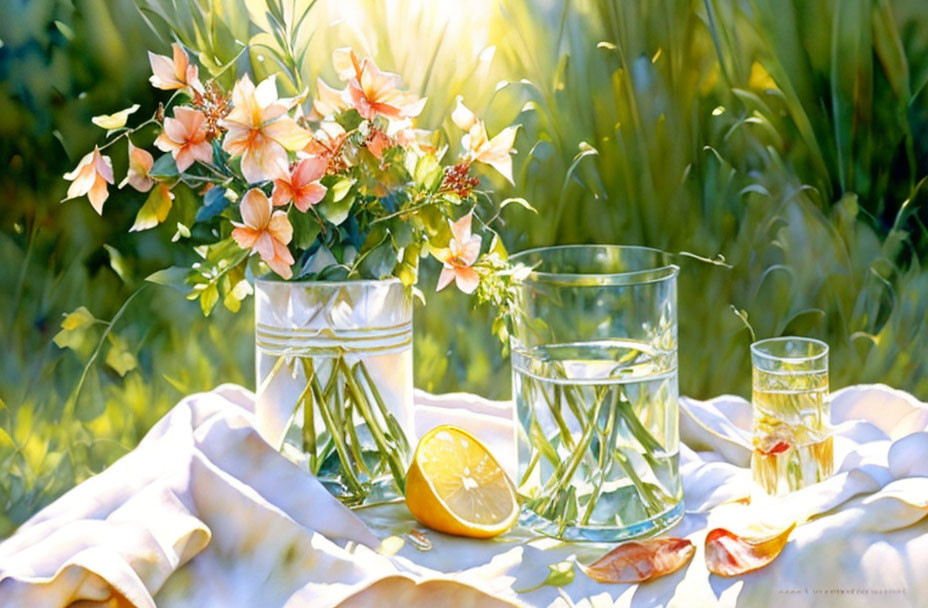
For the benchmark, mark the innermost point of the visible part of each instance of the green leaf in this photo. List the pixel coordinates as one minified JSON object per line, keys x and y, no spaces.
{"x":428,"y":172}
{"x":175,"y":277}
{"x":214,"y":203}
{"x":235,"y":288}
{"x":348,"y":120}
{"x":335,"y":211}
{"x":65,"y":30}
{"x":117,"y":263}
{"x":340,"y":188}
{"x":74,"y":329}
{"x":155,"y":210}
{"x":164,"y":167}
{"x":401,"y":233}
{"x":81,"y":317}
{"x":518,"y":201}
{"x":561,"y":574}
{"x":305,"y":228}
{"x":120,"y":359}
{"x":379,"y":262}
{"x":497,"y":248}
{"x":208,"y":299}
{"x":116,"y":120}
{"x":408,"y":269}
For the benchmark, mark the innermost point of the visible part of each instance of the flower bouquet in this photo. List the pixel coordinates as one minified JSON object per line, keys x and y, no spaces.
{"x":334,"y":201}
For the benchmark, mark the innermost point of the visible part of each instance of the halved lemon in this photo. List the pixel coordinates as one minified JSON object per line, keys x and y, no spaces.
{"x":454,"y":485}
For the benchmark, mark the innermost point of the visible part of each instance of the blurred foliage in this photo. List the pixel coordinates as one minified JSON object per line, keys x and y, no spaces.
{"x":785,"y":141}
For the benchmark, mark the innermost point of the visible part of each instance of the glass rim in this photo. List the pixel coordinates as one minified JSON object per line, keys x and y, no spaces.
{"x":643,"y":276}
{"x":305,"y":283}
{"x":756,"y":349}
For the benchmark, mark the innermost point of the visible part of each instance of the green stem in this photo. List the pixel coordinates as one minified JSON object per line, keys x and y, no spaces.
{"x":331,"y":425}
{"x":309,"y":426}
{"x":354,"y":443}
{"x":565,"y":471}
{"x":555,"y":409}
{"x":273,"y":373}
{"x":398,"y":435}
{"x":72,"y":402}
{"x":386,"y":452}
{"x":604,"y":467}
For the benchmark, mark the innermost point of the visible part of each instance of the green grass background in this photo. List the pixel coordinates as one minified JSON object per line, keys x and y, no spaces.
{"x":787,"y":137}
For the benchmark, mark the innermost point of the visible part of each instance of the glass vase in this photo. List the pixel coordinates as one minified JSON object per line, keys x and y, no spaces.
{"x":594,"y":358}
{"x":334,"y":381}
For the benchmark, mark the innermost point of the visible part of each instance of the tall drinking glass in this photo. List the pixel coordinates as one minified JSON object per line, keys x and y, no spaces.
{"x":594,"y":360}
{"x":792,"y":433}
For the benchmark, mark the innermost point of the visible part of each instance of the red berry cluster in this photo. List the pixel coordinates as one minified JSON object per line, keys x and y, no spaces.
{"x":459,"y":180}
{"x":215,"y":104}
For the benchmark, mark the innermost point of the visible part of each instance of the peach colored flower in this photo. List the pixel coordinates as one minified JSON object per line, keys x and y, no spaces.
{"x":184,"y":136}
{"x":327,"y":142}
{"x":265,"y":231}
{"x":459,"y":257}
{"x":260,"y":131}
{"x":370,"y":91}
{"x":140,"y":164}
{"x":177,"y":73}
{"x":329,"y":101}
{"x":302,"y":185}
{"x":478,"y":147}
{"x":379,"y":143}
{"x":90,"y":177}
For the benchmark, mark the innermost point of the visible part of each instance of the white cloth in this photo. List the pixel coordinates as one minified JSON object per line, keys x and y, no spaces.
{"x":204,"y":513}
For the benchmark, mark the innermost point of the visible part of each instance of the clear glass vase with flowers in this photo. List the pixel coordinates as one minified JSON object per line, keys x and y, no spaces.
{"x":322,"y":206}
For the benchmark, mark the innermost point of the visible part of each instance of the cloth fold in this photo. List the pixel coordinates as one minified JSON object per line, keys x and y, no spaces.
{"x":205,"y":513}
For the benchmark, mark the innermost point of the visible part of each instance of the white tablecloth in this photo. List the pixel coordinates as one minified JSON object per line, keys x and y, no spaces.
{"x":205,"y":513}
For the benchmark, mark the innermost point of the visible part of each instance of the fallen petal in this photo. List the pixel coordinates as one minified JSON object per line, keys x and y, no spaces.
{"x":728,"y":554}
{"x":640,"y":561}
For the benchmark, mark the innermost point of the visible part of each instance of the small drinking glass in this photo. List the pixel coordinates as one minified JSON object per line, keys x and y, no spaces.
{"x":792,"y":430}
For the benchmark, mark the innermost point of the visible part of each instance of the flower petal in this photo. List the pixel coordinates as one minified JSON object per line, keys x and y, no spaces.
{"x":264,"y":160}
{"x":287,"y":133}
{"x":460,"y":229}
{"x":445,"y":278}
{"x":280,"y":265}
{"x":497,"y":152}
{"x":162,"y":69}
{"x":346,"y":63}
{"x":640,"y":561}
{"x":165,"y":143}
{"x":728,"y":554}
{"x":309,"y":170}
{"x":265,"y":246}
{"x":192,"y":121}
{"x":245,"y":237}
{"x":329,"y":101}
{"x":180,"y":63}
{"x":183,"y":158}
{"x":266,"y":91}
{"x":470,"y":251}
{"x":175,"y":130}
{"x":279,"y":227}
{"x":466,"y":279}
{"x":462,"y":116}
{"x":282,"y":193}
{"x":256,"y":209}
{"x":98,"y":194}
{"x":309,"y":195}
{"x":103,"y":166}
